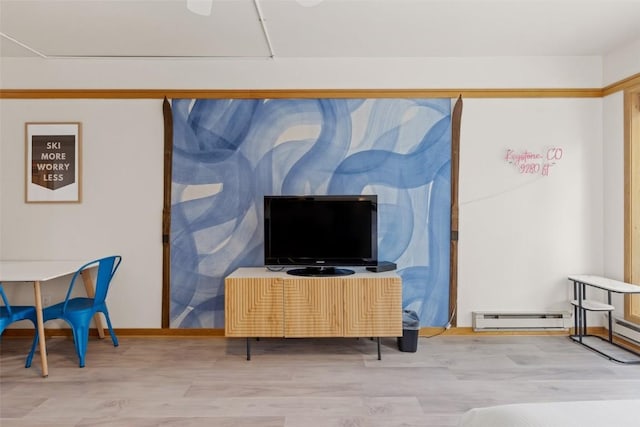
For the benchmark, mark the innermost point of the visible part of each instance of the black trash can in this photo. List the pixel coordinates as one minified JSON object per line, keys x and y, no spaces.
{"x":408,"y":342}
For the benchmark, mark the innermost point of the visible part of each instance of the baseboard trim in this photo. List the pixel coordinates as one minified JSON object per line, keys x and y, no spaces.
{"x":215,"y":332}
{"x":130,"y":332}
{"x":462,"y":331}
{"x":219,"y":333}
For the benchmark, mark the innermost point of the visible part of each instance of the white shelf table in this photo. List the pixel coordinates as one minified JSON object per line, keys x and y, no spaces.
{"x":582,"y":305}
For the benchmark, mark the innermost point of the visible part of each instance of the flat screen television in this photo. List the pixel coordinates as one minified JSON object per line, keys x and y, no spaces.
{"x":320,"y":233}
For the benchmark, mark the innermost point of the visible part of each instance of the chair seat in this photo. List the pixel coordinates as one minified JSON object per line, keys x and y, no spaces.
{"x":18,"y":312}
{"x":73,"y":305}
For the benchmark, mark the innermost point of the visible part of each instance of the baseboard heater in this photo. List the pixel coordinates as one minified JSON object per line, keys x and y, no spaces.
{"x":521,"y":321}
{"x":625,"y":329}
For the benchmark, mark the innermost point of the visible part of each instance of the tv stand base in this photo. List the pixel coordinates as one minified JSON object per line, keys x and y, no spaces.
{"x":257,"y":339}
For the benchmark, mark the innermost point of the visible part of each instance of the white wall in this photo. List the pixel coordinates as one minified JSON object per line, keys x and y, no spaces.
{"x":334,"y":73}
{"x":622,"y":63}
{"x":617,"y":65}
{"x":522,"y":234}
{"x":121,"y":209}
{"x":613,"y":191}
{"x":613,"y":185}
{"x":519,"y":235}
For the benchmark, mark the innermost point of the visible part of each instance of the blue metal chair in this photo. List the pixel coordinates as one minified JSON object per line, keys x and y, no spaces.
{"x":79,"y":311}
{"x":10,"y":314}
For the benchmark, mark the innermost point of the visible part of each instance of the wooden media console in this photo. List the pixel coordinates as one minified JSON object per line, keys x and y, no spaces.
{"x":262,"y":303}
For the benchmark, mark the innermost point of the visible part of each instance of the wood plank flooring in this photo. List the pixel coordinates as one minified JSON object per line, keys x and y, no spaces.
{"x":169,"y":381}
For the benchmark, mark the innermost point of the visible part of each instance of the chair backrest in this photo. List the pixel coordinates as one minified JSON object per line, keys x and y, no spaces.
{"x":106,"y":269}
{"x":5,"y":300}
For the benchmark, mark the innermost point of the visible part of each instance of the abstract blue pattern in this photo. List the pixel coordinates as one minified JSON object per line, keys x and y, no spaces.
{"x":229,"y":153}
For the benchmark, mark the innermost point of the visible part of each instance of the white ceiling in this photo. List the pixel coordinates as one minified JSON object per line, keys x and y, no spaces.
{"x":333,"y":28}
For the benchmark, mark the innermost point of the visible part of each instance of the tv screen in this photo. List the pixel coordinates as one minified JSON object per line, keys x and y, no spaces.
{"x":320,"y":233}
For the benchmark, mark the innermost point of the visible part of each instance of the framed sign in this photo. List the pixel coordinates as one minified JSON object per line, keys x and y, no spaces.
{"x":53,"y":167}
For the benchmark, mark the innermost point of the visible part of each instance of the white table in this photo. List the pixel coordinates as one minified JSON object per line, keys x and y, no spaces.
{"x":36,"y":271}
{"x":582,"y":305}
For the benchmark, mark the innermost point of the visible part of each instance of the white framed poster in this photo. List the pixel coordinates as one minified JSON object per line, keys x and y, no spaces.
{"x":53,"y":162}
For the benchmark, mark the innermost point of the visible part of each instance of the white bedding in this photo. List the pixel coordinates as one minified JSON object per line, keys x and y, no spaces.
{"x":599,"y":413}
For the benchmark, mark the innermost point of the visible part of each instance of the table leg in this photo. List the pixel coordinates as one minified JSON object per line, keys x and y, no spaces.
{"x":585,"y":329}
{"x":576,"y":311}
{"x":580,"y":314}
{"x":88,"y":286}
{"x":41,"y":337}
{"x":609,"y":315}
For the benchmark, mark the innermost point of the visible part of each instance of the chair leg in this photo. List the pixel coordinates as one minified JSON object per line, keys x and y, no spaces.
{"x":27,"y":364}
{"x":80,"y":339}
{"x":111,"y":332}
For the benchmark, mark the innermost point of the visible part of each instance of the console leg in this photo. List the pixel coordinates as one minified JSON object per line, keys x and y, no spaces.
{"x":576,"y":330}
{"x":610,"y":321}
{"x":248,"y":349}
{"x":379,"y":355}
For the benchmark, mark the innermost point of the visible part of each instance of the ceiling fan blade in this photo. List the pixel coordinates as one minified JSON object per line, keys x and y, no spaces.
{"x":309,"y":3}
{"x":200,"y":7}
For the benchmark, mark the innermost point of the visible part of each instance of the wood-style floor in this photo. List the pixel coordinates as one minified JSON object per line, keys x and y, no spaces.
{"x":297,"y":382}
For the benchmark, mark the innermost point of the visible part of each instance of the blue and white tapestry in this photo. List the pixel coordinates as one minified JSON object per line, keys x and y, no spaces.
{"x":229,"y":153}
